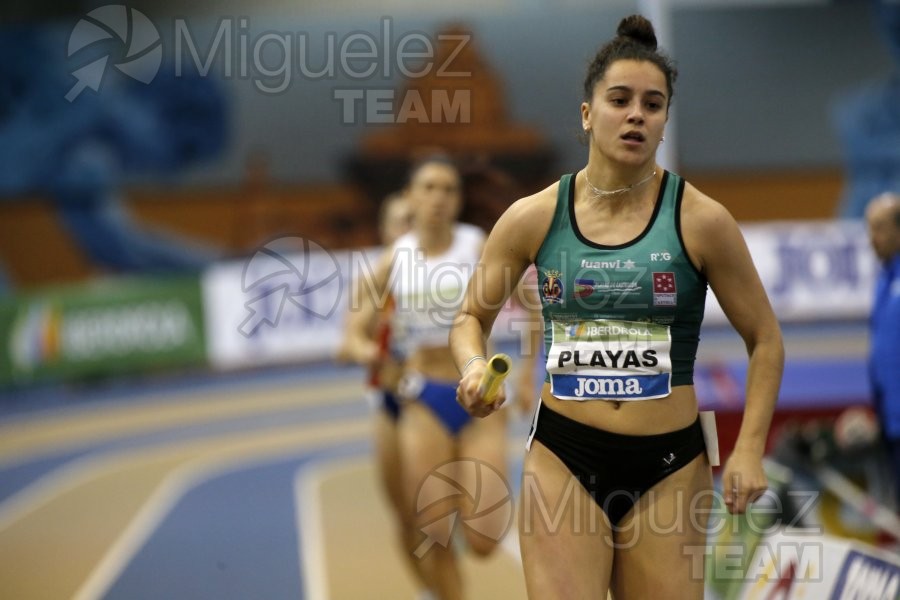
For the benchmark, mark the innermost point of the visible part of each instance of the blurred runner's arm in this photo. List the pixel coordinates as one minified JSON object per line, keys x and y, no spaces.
{"x":367,"y":300}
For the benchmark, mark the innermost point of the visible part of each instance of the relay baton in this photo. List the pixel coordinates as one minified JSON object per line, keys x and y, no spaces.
{"x":498,"y":368}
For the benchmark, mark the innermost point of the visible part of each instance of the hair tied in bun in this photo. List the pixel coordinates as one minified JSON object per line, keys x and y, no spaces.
{"x":638,"y":29}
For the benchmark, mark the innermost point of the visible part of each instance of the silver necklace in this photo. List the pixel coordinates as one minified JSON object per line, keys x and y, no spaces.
{"x":602,"y":193}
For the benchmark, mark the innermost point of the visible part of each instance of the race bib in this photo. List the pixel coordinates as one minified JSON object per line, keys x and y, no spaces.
{"x":609,"y":359}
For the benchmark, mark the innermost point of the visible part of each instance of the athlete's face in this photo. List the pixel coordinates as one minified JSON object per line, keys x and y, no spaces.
{"x":884,"y":232}
{"x":628,"y":111}
{"x":435,"y":194}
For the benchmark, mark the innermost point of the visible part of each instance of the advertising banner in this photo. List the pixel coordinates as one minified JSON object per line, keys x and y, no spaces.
{"x":288,"y":301}
{"x":105,"y":327}
{"x":811,"y":270}
{"x":792,"y":566}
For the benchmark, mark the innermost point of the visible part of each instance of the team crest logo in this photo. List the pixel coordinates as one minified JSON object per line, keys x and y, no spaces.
{"x":664,"y":293}
{"x":552,"y":288}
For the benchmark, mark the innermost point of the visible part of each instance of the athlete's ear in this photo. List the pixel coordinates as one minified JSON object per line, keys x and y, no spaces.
{"x":586,"y":116}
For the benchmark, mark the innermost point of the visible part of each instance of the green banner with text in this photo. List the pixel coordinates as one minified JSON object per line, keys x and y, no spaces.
{"x":102,"y":328}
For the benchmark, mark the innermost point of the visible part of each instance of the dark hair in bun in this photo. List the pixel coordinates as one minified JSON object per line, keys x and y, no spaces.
{"x":635,"y":40}
{"x":639,"y":30}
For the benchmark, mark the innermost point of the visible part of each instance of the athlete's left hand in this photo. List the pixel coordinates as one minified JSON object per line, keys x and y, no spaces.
{"x":743,"y":480}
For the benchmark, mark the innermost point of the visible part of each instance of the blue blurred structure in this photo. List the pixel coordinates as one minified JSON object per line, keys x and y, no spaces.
{"x":868,"y":123}
{"x":79,"y":153}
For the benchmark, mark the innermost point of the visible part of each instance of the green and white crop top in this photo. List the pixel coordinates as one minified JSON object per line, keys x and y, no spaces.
{"x":620,"y":322}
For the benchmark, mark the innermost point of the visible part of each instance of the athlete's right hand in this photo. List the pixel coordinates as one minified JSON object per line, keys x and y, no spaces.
{"x":468,"y":393}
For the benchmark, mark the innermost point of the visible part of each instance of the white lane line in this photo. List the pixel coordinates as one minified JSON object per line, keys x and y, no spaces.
{"x":309,"y":519}
{"x":175,"y":486}
{"x":308,"y":516}
{"x":61,"y":479}
{"x":310,"y":534}
{"x":139,"y":529}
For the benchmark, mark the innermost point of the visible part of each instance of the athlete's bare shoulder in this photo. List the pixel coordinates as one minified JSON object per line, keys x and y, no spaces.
{"x":707,"y":226}
{"x":701,"y":213}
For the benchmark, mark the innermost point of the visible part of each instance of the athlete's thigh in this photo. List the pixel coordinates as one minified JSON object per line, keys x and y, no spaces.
{"x":661,"y":542}
{"x":388,"y":456}
{"x":485,"y":440}
{"x":565,"y":538}
{"x":425,"y":446}
{"x":488,"y":509}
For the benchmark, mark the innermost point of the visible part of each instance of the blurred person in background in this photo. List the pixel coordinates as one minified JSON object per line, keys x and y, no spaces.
{"x":424,"y":274}
{"x":625,"y":251}
{"x":367,"y":338}
{"x":883,"y":219}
